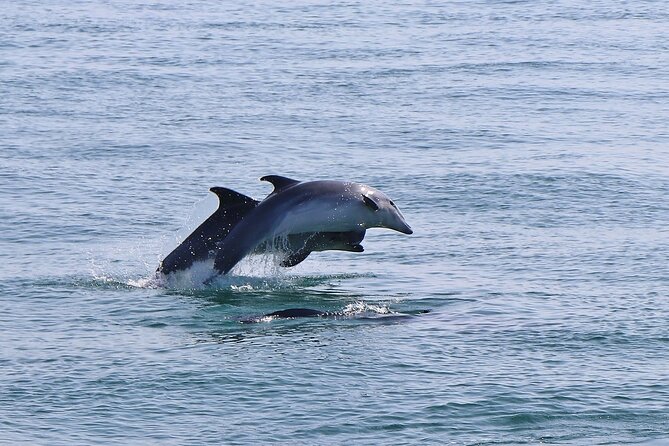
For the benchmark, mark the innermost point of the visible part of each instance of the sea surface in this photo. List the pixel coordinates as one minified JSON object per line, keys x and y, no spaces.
{"x":526,"y":143}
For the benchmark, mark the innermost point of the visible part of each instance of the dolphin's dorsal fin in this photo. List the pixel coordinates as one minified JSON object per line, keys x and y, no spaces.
{"x":228,"y":198}
{"x":280,"y":183}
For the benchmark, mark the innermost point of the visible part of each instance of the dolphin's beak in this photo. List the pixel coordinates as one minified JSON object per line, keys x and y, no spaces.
{"x":406,"y":230}
{"x":402,"y":227}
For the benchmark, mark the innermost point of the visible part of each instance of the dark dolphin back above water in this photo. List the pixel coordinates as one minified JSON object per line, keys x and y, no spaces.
{"x":202,"y":242}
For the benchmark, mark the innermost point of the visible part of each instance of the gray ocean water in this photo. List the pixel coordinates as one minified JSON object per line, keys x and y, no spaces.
{"x":526,"y":143}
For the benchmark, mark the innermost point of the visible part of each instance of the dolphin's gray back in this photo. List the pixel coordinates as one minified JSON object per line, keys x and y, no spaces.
{"x":259,"y":224}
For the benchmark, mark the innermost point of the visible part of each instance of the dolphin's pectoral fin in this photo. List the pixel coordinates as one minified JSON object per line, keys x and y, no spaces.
{"x":280,"y":183}
{"x":295,"y":258}
{"x":350,"y":241}
{"x":355,"y":237}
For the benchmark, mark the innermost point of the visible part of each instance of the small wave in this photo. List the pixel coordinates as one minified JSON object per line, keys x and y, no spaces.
{"x":104,"y":281}
{"x":254,"y":273}
{"x":199,"y":280}
{"x":97,"y":282}
{"x":146,"y":282}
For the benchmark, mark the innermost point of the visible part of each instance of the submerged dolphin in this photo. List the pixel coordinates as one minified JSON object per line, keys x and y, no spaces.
{"x":294,"y":313}
{"x":297,"y":218}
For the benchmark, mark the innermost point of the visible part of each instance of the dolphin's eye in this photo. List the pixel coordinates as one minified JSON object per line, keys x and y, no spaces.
{"x":392,"y":204}
{"x":370,"y":203}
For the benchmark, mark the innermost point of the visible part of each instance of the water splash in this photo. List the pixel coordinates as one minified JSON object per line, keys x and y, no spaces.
{"x":362,"y":308}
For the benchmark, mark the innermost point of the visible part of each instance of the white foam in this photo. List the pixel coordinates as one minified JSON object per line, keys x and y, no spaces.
{"x":363,"y":307}
{"x":252,"y":273}
{"x":194,"y":277}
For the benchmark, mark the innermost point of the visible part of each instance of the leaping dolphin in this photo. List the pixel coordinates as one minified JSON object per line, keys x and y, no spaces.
{"x":297,"y":217}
